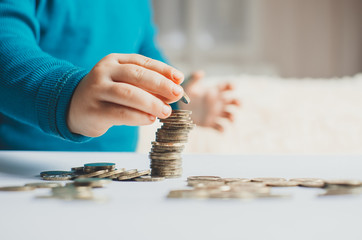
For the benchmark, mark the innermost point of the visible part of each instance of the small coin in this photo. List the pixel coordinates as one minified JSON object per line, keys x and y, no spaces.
{"x":71,"y":192}
{"x":228,"y":180}
{"x":77,"y":169}
{"x":134,"y":175}
{"x":17,"y":188}
{"x":171,"y":144}
{"x":204,"y":178}
{"x":312,"y":184}
{"x":111,"y":173}
{"x":268,"y":179}
{"x":52,"y":173}
{"x":185,"y":98}
{"x":92,"y":167}
{"x":149,"y":179}
{"x":343,"y":182}
{"x":61,"y":177}
{"x":306,"y":180}
{"x":281,"y":184}
{"x":44,"y":184}
{"x":93,"y":174}
{"x":91,"y":182}
{"x":181,"y":111}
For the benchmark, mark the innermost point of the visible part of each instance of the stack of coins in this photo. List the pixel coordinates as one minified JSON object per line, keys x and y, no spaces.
{"x":165,"y":155}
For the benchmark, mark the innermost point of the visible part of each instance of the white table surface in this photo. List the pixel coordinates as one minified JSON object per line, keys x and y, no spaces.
{"x":141,"y":210}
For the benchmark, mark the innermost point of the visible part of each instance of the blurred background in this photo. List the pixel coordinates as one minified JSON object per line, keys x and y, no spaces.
{"x":295,"y":63}
{"x":290,"y":38}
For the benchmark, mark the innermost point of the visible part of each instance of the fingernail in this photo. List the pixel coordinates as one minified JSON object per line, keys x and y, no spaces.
{"x":166,"y":110}
{"x":177,"y":75}
{"x":177,"y":90}
{"x":152,"y":118}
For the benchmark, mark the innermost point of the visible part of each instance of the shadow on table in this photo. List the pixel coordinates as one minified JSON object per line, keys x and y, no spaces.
{"x":20,"y":167}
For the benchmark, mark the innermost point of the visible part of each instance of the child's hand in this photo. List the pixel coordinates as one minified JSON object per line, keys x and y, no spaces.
{"x":123,"y":89}
{"x":211,"y":106}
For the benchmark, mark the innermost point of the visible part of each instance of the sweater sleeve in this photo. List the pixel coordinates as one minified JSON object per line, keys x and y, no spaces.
{"x":35,"y":88}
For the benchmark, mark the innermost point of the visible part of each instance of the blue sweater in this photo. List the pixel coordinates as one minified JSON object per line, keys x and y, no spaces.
{"x":46,"y":48}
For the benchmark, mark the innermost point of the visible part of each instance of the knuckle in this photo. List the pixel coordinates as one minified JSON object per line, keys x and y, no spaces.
{"x":138,"y":73}
{"x":147,"y":61}
{"x":127,"y":92}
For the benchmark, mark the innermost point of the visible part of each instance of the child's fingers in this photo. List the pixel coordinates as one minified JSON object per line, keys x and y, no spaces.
{"x":122,"y":115}
{"x":131,"y":96}
{"x":151,"y":64}
{"x":148,"y":80}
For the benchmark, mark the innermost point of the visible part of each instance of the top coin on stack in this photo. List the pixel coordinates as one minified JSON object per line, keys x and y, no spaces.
{"x":165,"y":155}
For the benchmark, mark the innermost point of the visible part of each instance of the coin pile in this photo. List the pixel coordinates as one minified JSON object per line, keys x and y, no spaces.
{"x":165,"y":155}
{"x":100,"y":170}
{"x":206,"y":187}
{"x":85,"y":178}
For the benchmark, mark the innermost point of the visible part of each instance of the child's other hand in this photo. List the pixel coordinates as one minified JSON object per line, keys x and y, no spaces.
{"x":212,"y":106}
{"x":123,"y":89}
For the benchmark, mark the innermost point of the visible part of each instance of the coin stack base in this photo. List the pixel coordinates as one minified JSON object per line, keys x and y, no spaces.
{"x":165,"y":155}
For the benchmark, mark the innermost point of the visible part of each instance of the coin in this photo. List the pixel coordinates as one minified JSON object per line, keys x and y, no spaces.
{"x":77,"y":169}
{"x":281,"y":184}
{"x":133,"y":175}
{"x":44,"y":184}
{"x":204,"y":178}
{"x":92,"y":167}
{"x":229,"y":180}
{"x":52,"y":173}
{"x":315,"y":184}
{"x":91,"y":182}
{"x":149,"y":179}
{"x":344,"y":182}
{"x":58,"y":177}
{"x":268,"y":179}
{"x":93,"y":174}
{"x":112,"y":173}
{"x":17,"y":188}
{"x":185,"y":98}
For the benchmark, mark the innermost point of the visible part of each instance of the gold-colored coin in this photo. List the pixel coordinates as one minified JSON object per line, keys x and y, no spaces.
{"x":111,"y":173}
{"x":149,"y":179}
{"x":268,"y":179}
{"x":44,"y":184}
{"x":281,"y":184}
{"x":17,"y":188}
{"x":93,"y":174}
{"x":91,"y":182}
{"x":344,"y":182}
{"x":134,"y":175}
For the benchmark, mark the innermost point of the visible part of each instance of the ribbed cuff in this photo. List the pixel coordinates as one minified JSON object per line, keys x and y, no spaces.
{"x":53,"y":101}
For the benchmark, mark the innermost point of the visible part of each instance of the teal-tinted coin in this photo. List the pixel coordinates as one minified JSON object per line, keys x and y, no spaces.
{"x":53,"y":173}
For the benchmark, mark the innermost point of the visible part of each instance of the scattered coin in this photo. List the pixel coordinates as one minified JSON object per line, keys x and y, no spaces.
{"x":91,"y":182}
{"x":44,"y":184}
{"x":282,"y":184}
{"x":149,"y":179}
{"x":53,"y":173}
{"x":59,"y":177}
{"x":17,"y":188}
{"x":92,"y":167}
{"x":110,"y":174}
{"x":268,"y":179}
{"x":93,"y":174}
{"x":344,"y":182}
{"x":133,"y":175}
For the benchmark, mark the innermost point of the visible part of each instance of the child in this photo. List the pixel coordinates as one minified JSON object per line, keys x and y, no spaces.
{"x":82,"y":75}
